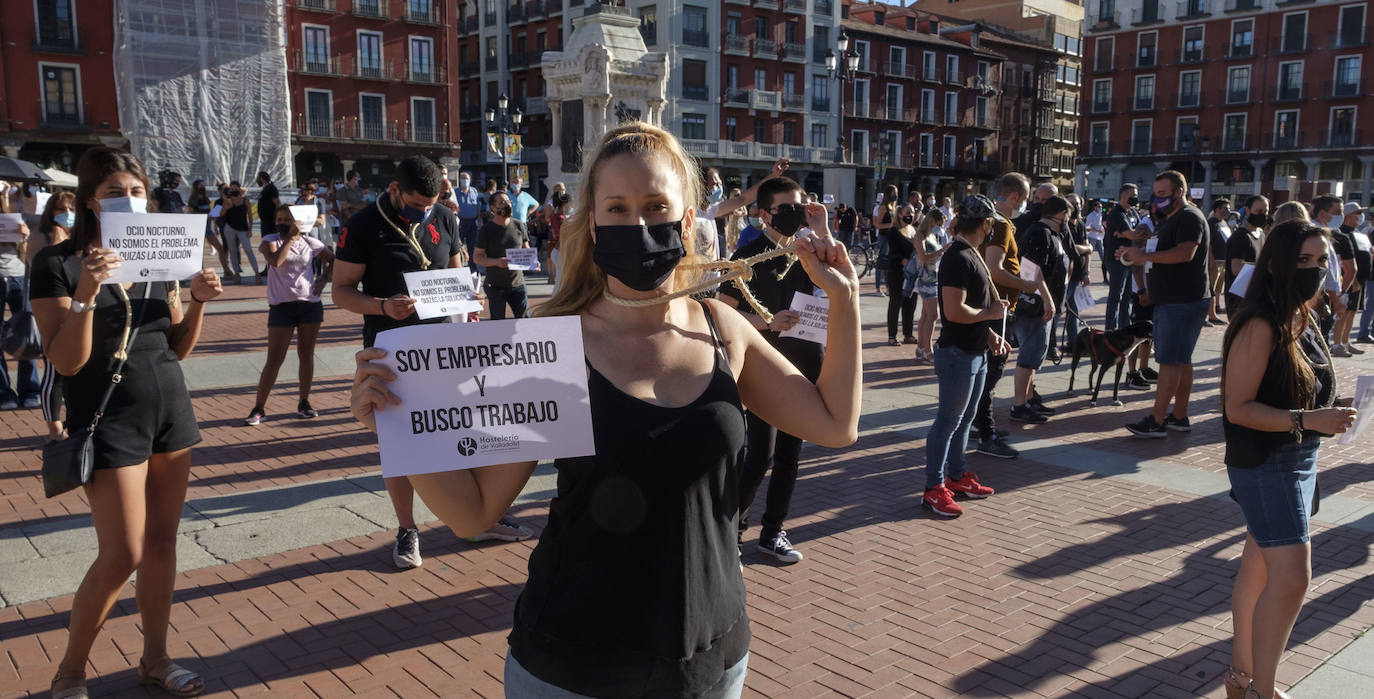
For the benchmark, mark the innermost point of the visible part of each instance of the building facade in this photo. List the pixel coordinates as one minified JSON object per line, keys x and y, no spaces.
{"x":1244,"y":96}
{"x":370,"y":84}
{"x":57,"y":91}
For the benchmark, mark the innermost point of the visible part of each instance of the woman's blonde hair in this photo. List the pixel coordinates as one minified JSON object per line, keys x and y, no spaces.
{"x":1291,"y":211}
{"x":582,"y":282}
{"x":928,"y":222}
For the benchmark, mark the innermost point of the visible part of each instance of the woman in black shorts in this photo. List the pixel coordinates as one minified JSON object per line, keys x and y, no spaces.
{"x":143,"y":442}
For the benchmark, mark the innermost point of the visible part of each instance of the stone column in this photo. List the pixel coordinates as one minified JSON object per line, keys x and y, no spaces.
{"x":1209,"y":170}
{"x":1258,"y":165}
{"x":1367,"y":179}
{"x":347,"y":165}
{"x":1310,"y":168}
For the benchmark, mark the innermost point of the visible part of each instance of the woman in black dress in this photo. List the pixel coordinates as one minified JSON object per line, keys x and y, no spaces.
{"x":635,"y":588}
{"x":143,"y":442}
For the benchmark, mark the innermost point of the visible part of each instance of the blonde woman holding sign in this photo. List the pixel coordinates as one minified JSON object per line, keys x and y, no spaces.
{"x":635,"y":588}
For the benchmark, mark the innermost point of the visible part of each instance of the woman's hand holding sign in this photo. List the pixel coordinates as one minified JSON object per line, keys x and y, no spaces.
{"x":371,"y":391}
{"x":98,"y":266}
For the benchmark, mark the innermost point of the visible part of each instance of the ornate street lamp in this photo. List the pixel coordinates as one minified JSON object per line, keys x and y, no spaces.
{"x":506,"y":123}
{"x":843,"y":71}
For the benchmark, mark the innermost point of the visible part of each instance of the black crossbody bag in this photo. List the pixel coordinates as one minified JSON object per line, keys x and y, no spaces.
{"x":67,"y":464}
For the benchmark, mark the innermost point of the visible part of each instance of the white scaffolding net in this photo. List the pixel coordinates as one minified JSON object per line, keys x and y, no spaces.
{"x":202,"y":86}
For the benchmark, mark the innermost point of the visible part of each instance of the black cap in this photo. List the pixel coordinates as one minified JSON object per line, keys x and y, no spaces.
{"x":1220,"y":202}
{"x":976,"y":206}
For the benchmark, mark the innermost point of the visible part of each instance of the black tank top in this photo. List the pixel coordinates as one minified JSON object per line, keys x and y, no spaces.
{"x":1247,"y":447}
{"x":635,"y":587}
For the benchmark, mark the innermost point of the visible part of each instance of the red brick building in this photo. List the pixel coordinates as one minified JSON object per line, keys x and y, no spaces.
{"x":370,"y":84}
{"x":1246,"y":96}
{"x":57,"y":94}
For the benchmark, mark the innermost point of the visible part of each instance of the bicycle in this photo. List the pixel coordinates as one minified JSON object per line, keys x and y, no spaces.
{"x":863,"y":254}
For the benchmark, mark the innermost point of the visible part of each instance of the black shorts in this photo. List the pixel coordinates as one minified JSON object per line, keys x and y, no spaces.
{"x":295,"y":313}
{"x":149,"y":412}
{"x":1355,"y":298}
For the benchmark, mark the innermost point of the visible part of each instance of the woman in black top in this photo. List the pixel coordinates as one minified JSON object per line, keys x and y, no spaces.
{"x":59,"y":217}
{"x":143,"y":442}
{"x":901,"y":246}
{"x":199,"y":203}
{"x":635,"y":588}
{"x":1277,"y":390}
{"x":885,"y":219}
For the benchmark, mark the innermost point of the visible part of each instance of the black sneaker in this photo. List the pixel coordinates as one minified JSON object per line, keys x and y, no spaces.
{"x":1024,"y":413}
{"x":406,"y":553}
{"x":1365,"y":339}
{"x":1149,"y":374}
{"x":1135,"y":380}
{"x":1147,"y":428}
{"x":1054,"y":356}
{"x":1039,"y":407}
{"x":305,"y":412}
{"x":1177,"y":424}
{"x":997,"y":449}
{"x":255,"y":417}
{"x":994,"y":435}
{"x":780,"y":548}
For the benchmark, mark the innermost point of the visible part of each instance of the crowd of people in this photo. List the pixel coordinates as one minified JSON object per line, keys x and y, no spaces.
{"x":693,"y":376}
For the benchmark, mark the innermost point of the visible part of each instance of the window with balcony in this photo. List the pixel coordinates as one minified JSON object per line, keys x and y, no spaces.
{"x":1106,"y":11}
{"x":1294,"y":32}
{"x":731,"y":129}
{"x":820,"y":136}
{"x":422,"y":60}
{"x":1242,"y":38}
{"x":1097,"y":139}
{"x":949,"y":147}
{"x":694,"y":31}
{"x":1105,"y":56}
{"x":1193,"y":8}
{"x":316,"y":45}
{"x":422,"y":123}
{"x":1347,"y":82}
{"x":1352,"y":26}
{"x":732,"y":23}
{"x":367,"y":8}
{"x":951,"y":107}
{"x":319,"y":113}
{"x":1186,"y":138}
{"x":1145,"y":92}
{"x":1190,"y":88}
{"x":896,"y":60}
{"x":789,"y":132}
{"x":694,"y":85}
{"x":732,"y":77}
{"x":893,"y":108}
{"x":1286,"y":129}
{"x":927,"y":115}
{"x":1102,"y":96}
{"x":820,"y":93}
{"x":789,"y":83}
{"x":1148,"y":13}
{"x":371,"y":116}
{"x":761,"y":28}
{"x":760,"y":79}
{"x":927,"y":150}
{"x":820,"y":44}
{"x":1141,"y":131}
{"x":1238,"y":85}
{"x":1290,"y":81}
{"x":370,"y":55}
{"x":1146,"y":55}
{"x":61,"y":95}
{"x":952,"y":69}
{"x":693,"y":126}
{"x":648,"y":25}
{"x":760,"y":131}
{"x":1191,"y":51}
{"x":56,"y":24}
{"x":928,"y":66}
{"x":1233,"y":132}
{"x":1342,"y":131}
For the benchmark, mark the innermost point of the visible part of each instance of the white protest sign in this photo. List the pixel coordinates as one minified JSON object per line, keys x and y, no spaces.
{"x":1030,"y":271}
{"x":1242,"y":280}
{"x":1083,"y":298}
{"x":828,"y":199}
{"x":522,"y":259}
{"x":815,"y":314}
{"x":155,"y":247}
{"x":38,"y":203}
{"x":305,"y":214}
{"x":442,"y":292}
{"x":478,"y":394}
{"x":1364,"y":403}
{"x":9,"y":228}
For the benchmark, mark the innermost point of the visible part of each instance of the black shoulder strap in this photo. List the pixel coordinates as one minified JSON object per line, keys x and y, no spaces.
{"x":715,"y":334}
{"x":117,"y":375}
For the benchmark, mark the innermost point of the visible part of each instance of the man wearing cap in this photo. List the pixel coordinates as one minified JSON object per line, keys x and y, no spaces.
{"x":1358,"y":274}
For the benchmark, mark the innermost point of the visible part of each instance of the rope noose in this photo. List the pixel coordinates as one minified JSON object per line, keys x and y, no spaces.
{"x":740,"y":272}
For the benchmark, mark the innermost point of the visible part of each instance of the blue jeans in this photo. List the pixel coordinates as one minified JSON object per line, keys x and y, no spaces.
{"x":520,"y":684}
{"x":1118,"y":295}
{"x":880,"y":264}
{"x":28,"y":371}
{"x":499,"y":297}
{"x":467,"y":232}
{"x":961,"y":375}
{"x":1366,"y":324}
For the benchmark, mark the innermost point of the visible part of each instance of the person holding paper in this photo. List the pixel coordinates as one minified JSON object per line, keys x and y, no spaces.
{"x":59,"y":217}
{"x":294,"y":307}
{"x":143,"y":441}
{"x":199,"y":203}
{"x":929,"y":249}
{"x":1041,"y":247}
{"x":13,"y":253}
{"x":775,"y":282}
{"x":1244,"y":245}
{"x":1278,"y":395}
{"x":403,"y":231}
{"x":503,"y":286}
{"x":238,"y":232}
{"x":634,"y":588}
{"x":1119,"y":226}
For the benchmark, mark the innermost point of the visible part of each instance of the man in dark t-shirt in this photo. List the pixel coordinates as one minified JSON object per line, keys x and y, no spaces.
{"x":268,"y":201}
{"x":1118,"y":229}
{"x":1177,"y":287}
{"x":503,"y":286}
{"x":1220,"y":233}
{"x":1244,"y":245}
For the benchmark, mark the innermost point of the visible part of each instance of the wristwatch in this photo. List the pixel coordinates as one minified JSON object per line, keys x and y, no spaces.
{"x":78,"y":307}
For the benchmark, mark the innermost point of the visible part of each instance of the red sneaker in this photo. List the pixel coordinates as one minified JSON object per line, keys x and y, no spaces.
{"x":941,"y":501}
{"x":969,"y":486}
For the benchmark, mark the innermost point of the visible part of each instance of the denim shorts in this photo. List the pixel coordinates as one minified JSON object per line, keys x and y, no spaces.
{"x":1032,"y":340}
{"x":1177,"y":327}
{"x":520,"y":684}
{"x":1279,"y":496}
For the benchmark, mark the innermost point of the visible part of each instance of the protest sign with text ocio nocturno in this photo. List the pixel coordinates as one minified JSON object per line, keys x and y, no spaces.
{"x":155,"y":247}
{"x":442,"y":292}
{"x":477,"y":394}
{"x":522,"y":259}
{"x":815,"y":318}
{"x":9,"y":228}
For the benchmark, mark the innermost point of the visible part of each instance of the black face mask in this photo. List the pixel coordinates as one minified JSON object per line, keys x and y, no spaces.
{"x":908,"y":219}
{"x":1257,"y":220}
{"x":1307,"y":281}
{"x":283,"y":229}
{"x":1133,"y":201}
{"x":789,"y":218}
{"x":641,"y":257}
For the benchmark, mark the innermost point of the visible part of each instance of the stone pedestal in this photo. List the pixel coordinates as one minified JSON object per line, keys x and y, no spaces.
{"x":604,"y":76}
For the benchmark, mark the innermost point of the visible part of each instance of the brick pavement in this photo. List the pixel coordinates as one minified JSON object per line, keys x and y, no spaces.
{"x":1066,"y":583}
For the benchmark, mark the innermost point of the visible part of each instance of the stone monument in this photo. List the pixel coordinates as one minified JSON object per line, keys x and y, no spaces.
{"x":603,"y":76}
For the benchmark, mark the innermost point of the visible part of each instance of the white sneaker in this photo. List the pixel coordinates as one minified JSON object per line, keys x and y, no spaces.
{"x":505,"y":529}
{"x":406,"y":553}
{"x":780,"y":548}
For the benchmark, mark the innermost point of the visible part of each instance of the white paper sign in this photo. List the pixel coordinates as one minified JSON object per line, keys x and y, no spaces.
{"x":9,"y":228}
{"x":815,"y":314}
{"x":1364,"y":403}
{"x":1083,"y":298}
{"x":478,"y":394}
{"x":1242,"y":280}
{"x":306,"y":215}
{"x":828,"y":199}
{"x":1030,"y":271}
{"x":522,"y":259}
{"x":38,"y":203}
{"x":155,"y":247}
{"x":442,"y":292}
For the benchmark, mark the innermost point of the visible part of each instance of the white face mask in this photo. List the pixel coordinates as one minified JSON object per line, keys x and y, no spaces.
{"x":123,"y":205}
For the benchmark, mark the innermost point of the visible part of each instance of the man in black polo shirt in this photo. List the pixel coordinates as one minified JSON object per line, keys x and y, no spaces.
{"x":1177,"y":287}
{"x":402,"y":232}
{"x":1118,"y":229}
